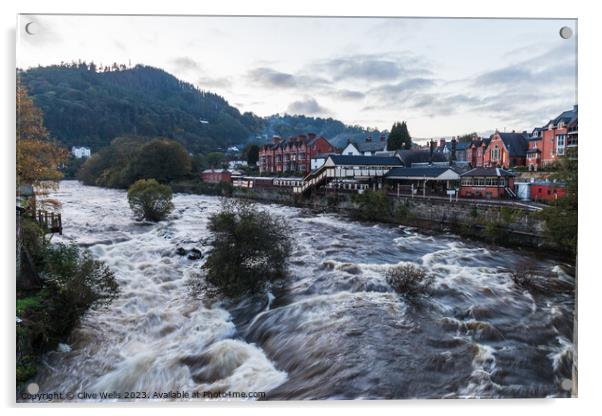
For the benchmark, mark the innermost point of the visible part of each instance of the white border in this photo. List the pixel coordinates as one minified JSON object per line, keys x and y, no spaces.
{"x":590,"y":152}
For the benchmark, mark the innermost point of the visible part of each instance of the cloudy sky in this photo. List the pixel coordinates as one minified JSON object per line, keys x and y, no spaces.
{"x":444,"y":76}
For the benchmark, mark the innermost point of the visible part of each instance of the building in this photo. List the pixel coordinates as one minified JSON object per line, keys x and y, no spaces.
{"x":236,"y":164}
{"x":354,"y":172}
{"x":369,"y":147}
{"x":218,"y":175}
{"x":81,"y":152}
{"x":558,"y":138}
{"x":293,"y":154}
{"x":475,"y":152}
{"x":423,"y":180}
{"x":506,"y":150}
{"x":487,"y":182}
{"x":411,"y":156}
{"x":545,"y":191}
{"x":319,"y":159}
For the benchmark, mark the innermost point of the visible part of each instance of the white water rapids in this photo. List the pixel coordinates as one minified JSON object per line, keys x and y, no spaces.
{"x":337,"y":330}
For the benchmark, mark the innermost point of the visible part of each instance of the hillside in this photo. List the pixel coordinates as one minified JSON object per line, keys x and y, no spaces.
{"x":334,"y":130}
{"x":84,"y":107}
{"x":87,"y":107}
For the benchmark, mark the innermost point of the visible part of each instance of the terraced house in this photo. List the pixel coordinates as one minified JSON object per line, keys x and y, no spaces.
{"x":556,"y":139}
{"x":293,"y":154}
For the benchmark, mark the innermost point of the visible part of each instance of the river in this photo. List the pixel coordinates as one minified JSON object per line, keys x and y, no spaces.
{"x":335,"y":331}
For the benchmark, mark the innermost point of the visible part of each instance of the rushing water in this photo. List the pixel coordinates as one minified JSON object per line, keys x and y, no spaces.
{"x":337,"y":330}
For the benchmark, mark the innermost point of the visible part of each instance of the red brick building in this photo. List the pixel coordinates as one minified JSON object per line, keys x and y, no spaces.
{"x":475,"y":152}
{"x":217,"y":175}
{"x":548,"y":192}
{"x":293,"y":154}
{"x":556,"y":139}
{"x":489,"y":183}
{"x":506,"y":150}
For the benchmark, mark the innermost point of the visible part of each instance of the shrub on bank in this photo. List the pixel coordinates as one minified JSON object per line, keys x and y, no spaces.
{"x":72,"y":282}
{"x":409,"y":279}
{"x":250,"y":249}
{"x":150,"y":200}
{"x":372,"y":205}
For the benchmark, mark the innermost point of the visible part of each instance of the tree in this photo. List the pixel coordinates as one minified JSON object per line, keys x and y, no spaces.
{"x":250,"y":249}
{"x":163,"y":160}
{"x":252,"y":154}
{"x":38,"y":157}
{"x":399,"y":137}
{"x":150,"y":200}
{"x":561,"y":220}
{"x":406,"y":139}
{"x":215,"y":159}
{"x":467,"y":138}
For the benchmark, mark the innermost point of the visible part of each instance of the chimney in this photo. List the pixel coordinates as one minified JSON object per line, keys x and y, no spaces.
{"x":432,"y":144}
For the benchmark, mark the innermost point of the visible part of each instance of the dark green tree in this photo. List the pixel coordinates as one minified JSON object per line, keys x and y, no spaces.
{"x":215,"y":160}
{"x":406,"y":139}
{"x":399,"y":137}
{"x":163,"y":160}
{"x":252,"y":154}
{"x":150,"y":200}
{"x":250,"y":249}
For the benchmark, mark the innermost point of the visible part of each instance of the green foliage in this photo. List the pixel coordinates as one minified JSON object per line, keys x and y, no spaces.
{"x":399,"y":138}
{"x":561,"y":220}
{"x":197,"y":186}
{"x":403,"y":213}
{"x":73,"y":282}
{"x":409,"y":279}
{"x":251,"y":153}
{"x":72,"y":166}
{"x":337,"y":133}
{"x":150,"y":200}
{"x":250,"y":249}
{"x":372,"y":205}
{"x":467,"y":138}
{"x":87,"y":106}
{"x":215,"y":159}
{"x":161,"y":159}
{"x":495,"y":232}
{"x":128,"y":159}
{"x":509,"y":215}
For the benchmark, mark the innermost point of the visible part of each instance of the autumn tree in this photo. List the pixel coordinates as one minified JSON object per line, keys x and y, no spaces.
{"x":38,"y":157}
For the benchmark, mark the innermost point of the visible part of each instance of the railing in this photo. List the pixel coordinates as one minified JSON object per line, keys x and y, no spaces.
{"x":50,"y":222}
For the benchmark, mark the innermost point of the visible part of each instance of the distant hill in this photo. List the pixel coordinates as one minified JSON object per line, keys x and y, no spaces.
{"x":334,"y":130}
{"x":86,"y":107}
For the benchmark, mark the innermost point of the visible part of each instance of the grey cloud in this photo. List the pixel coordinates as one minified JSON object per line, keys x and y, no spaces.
{"x":382,"y":67}
{"x":268,"y":77}
{"x":308,"y":106}
{"x":348,"y":94}
{"x":185,"y":63}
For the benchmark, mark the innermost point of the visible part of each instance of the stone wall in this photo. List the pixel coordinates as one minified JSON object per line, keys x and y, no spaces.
{"x":515,"y":227}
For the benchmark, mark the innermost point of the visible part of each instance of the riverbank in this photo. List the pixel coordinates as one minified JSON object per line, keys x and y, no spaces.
{"x":509,"y":226}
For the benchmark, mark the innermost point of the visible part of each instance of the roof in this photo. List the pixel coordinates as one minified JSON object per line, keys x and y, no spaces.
{"x":323,"y":155}
{"x":295,"y":140}
{"x":516,"y":143}
{"x":420,"y":156}
{"x":488,"y":172}
{"x":365,"y":160}
{"x":418,"y":172}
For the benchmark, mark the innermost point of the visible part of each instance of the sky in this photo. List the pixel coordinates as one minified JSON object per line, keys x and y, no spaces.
{"x":444,"y":77}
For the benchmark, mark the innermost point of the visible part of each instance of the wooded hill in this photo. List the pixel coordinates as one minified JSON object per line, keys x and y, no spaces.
{"x":87,"y":106}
